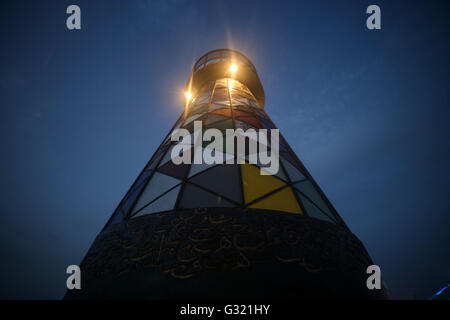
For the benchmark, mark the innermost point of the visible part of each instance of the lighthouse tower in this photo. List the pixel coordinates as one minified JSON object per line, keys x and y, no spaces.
{"x":194,"y":230}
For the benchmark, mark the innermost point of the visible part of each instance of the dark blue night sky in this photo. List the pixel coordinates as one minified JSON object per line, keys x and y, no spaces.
{"x":82,"y":112}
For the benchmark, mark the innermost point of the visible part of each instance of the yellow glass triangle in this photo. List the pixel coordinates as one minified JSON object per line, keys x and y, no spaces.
{"x":256,"y":185}
{"x":283,"y":200}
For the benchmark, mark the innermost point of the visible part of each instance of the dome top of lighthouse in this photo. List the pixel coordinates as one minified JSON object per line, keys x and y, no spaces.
{"x":226,"y":63}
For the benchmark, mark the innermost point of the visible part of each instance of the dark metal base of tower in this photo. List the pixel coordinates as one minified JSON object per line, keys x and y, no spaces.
{"x":225,"y":253}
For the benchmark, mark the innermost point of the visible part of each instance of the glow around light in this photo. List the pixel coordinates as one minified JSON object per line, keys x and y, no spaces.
{"x":188,"y":95}
{"x":233,"y":68}
{"x":230,"y":84}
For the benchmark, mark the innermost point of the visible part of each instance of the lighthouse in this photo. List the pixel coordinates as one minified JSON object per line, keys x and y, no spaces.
{"x":239,"y":227}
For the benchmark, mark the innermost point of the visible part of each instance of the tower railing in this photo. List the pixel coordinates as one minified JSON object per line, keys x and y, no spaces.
{"x":221,"y":55}
{"x":216,"y":64}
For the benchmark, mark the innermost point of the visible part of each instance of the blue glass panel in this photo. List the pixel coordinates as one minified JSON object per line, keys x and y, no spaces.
{"x":266,"y":123}
{"x":135,"y":190}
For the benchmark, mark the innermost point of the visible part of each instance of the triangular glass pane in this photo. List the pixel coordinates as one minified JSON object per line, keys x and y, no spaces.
{"x":135,"y":190}
{"x":293,"y":173}
{"x":229,"y":154}
{"x":283,"y":200}
{"x":196,"y":168}
{"x":313,"y":211}
{"x":225,"y":156}
{"x":158,"y":184}
{"x":280,"y":174}
{"x":166,"y":202}
{"x":162,"y":149}
{"x":223,"y":179}
{"x":167,"y":157}
{"x":291,"y":158}
{"x":155,"y":161}
{"x":175,"y":170}
{"x":194,"y":197}
{"x":308,"y":189}
{"x":178,"y":158}
{"x":255,"y":184}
